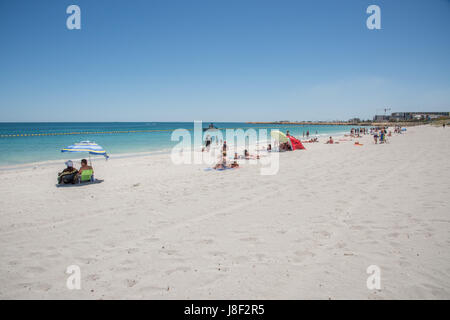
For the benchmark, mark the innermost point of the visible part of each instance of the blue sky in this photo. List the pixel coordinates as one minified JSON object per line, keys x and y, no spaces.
{"x":221,"y":60}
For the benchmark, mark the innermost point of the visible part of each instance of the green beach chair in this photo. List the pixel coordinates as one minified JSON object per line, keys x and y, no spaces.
{"x":86,"y":176}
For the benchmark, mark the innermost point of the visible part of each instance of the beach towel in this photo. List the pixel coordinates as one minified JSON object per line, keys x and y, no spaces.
{"x":96,"y":181}
{"x":211,"y":169}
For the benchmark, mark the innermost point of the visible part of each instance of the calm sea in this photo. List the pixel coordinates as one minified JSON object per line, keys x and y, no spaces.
{"x":43,"y":146}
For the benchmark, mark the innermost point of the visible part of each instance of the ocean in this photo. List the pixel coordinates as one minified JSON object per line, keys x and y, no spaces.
{"x":22,"y":143}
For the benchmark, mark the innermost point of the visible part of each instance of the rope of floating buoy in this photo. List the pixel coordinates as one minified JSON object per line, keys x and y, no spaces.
{"x":108,"y":132}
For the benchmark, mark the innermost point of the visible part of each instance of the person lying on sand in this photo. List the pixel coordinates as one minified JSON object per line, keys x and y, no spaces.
{"x":312,"y":140}
{"x":221,"y":164}
{"x":68,"y":174}
{"x":249,"y":156}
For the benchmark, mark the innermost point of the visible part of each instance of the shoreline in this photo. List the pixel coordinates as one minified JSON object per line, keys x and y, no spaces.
{"x":336,"y":123}
{"x":163,"y":150}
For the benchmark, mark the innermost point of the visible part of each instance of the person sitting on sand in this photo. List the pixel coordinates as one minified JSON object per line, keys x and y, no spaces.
{"x":248,"y":156}
{"x":330,"y":141}
{"x":312,"y":140}
{"x":68,"y":174}
{"x":234,"y":164}
{"x":84,"y":166}
{"x":221,"y":165}
{"x":269,"y":147}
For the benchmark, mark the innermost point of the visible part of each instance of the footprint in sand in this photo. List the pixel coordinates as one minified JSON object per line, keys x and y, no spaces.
{"x":87,"y":260}
{"x":217,"y":253}
{"x":168,"y":252}
{"x":260,"y":256}
{"x":302,"y":254}
{"x":131,"y":283}
{"x":179,"y":269}
{"x":394,"y":235}
{"x":240,"y":259}
{"x":35,"y":270}
{"x":151,"y":289}
{"x":127,"y":262}
{"x":206,"y":241}
{"x":93,"y":277}
{"x":323,"y":233}
{"x":132,"y":250}
{"x":42,"y":286}
{"x":249,"y":239}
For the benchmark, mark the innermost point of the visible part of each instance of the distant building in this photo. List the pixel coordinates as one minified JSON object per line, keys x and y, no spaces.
{"x":381,"y":118}
{"x":405,"y":116}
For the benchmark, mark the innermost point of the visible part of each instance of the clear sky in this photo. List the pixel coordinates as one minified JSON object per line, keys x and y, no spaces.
{"x":221,"y":60}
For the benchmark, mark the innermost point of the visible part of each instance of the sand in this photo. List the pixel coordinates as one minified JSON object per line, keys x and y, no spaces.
{"x":155,"y":230}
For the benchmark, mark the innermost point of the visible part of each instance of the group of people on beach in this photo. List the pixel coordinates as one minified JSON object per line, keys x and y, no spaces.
{"x":357,"y":132}
{"x":209,"y":141}
{"x":70,"y":175}
{"x":222,"y":164}
{"x":380,"y":134}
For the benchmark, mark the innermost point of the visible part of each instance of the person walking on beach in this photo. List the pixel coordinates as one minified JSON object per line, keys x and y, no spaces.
{"x":224,"y":149}
{"x":207,"y":143}
{"x":307,"y":134}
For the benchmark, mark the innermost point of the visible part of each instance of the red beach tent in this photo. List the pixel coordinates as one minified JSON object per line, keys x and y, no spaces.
{"x":296,"y":144}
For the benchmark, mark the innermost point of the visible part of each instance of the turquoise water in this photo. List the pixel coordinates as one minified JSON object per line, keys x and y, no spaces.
{"x":26,"y":149}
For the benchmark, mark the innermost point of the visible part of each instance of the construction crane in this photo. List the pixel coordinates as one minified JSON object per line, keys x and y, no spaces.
{"x":384,"y":110}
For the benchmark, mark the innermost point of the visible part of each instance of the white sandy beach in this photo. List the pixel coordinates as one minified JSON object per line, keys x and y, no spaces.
{"x":156,"y":230}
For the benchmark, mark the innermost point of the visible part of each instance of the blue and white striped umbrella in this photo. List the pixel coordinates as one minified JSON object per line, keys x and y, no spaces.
{"x":86,"y":146}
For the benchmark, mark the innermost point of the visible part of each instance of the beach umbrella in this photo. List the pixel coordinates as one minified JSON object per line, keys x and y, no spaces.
{"x":86,"y":146}
{"x":279,"y":136}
